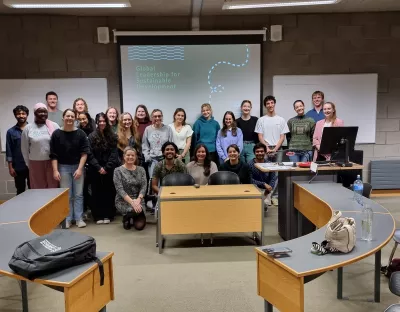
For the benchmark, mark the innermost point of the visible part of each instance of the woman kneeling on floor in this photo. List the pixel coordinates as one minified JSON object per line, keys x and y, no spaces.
{"x":130,"y":184}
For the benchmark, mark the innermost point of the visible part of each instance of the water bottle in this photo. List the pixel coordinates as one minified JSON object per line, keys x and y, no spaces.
{"x":366,"y":223}
{"x":358,"y":190}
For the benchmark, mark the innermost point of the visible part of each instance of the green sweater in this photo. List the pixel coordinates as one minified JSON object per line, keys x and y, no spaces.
{"x":301,"y":133}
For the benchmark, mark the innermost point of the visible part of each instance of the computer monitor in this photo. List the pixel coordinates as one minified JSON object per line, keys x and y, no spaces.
{"x":339,"y":142}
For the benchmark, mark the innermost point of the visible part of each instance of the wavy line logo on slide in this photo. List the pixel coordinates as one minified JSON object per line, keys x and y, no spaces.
{"x":220,"y":88}
{"x":156,"y":53}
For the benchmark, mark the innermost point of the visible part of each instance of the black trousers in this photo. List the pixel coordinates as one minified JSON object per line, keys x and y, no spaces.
{"x":21,"y":180}
{"x":215,"y":158}
{"x":103,"y":196}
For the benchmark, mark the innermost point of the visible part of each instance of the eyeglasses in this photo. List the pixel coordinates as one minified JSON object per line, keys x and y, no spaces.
{"x":157,"y":116}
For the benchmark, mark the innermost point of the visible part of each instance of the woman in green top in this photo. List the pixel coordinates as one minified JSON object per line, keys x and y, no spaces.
{"x":301,"y":134}
{"x":113,"y":116}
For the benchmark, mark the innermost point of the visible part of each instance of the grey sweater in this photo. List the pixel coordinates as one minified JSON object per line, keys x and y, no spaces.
{"x":131,"y":183}
{"x":197,"y":172}
{"x":35,"y":142}
{"x":153,"y":139}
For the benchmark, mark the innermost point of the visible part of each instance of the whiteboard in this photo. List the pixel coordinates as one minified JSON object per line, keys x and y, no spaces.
{"x":28,"y":92}
{"x":355,"y":97}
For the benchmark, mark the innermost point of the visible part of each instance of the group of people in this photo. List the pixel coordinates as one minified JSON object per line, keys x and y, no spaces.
{"x":114,"y":156}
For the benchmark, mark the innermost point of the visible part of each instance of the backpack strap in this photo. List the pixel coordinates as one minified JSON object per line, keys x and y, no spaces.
{"x":101,"y":270}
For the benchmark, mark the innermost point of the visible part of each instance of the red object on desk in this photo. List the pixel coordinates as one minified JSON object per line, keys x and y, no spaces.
{"x":304,"y":164}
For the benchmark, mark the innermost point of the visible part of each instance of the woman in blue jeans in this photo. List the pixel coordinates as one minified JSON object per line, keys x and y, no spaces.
{"x":69,"y":148}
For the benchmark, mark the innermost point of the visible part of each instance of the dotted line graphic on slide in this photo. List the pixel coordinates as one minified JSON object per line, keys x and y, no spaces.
{"x":221,"y":88}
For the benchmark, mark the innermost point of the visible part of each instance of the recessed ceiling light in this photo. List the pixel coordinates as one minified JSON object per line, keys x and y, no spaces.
{"x":65,"y":4}
{"x":274,"y":4}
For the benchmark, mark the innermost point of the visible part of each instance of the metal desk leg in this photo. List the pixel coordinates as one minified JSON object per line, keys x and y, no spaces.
{"x":104,"y":309}
{"x":268,"y":307}
{"x":299,"y":224}
{"x":340,"y":283}
{"x":24,"y":294}
{"x":377,"y":283}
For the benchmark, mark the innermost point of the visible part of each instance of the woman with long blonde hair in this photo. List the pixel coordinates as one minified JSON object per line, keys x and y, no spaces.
{"x":206,"y":130}
{"x":330,"y":120}
{"x":128,"y":134}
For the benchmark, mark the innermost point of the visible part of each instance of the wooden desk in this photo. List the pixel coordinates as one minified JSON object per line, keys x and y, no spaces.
{"x":281,"y":281}
{"x":210,"y":209}
{"x":287,"y":216}
{"x":38,"y":212}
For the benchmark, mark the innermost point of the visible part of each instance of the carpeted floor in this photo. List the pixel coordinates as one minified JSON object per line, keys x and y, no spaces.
{"x":189,"y":277}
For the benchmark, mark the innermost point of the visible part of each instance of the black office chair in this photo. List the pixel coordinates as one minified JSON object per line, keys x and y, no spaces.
{"x":394,"y":286}
{"x":174,"y":179}
{"x":223,"y":177}
{"x":178,"y":179}
{"x":367,"y":190}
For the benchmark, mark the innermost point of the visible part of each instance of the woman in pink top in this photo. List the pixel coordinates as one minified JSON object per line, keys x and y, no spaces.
{"x":330,"y":120}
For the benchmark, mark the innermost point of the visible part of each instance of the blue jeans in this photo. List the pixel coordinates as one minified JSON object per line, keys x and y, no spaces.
{"x":301,"y":156}
{"x":247,"y":153}
{"x":75,"y":190}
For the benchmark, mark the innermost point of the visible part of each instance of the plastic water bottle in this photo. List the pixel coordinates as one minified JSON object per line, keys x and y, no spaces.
{"x":358,"y":187}
{"x":366,"y":223}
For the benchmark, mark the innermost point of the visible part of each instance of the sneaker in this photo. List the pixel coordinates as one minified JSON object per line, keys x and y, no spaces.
{"x":100,"y":222}
{"x":81,"y":224}
{"x":274,"y":201}
{"x":67,"y":224}
{"x":106,"y":221}
{"x":267,"y":201}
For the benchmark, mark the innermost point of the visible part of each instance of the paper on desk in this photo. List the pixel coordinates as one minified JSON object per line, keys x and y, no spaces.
{"x":274,"y":166}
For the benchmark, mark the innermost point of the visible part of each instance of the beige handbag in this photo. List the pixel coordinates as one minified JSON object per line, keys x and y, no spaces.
{"x":341,"y":233}
{"x":340,"y":236}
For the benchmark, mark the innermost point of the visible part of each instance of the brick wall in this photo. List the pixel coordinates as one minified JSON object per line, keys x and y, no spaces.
{"x":65,"y":47}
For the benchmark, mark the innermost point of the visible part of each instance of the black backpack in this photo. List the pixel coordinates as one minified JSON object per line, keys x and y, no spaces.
{"x":54,"y":252}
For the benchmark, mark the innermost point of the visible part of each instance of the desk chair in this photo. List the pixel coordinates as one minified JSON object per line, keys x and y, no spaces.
{"x":396,"y":238}
{"x":367,"y":190}
{"x":174,"y":179}
{"x":394,"y":286}
{"x":223,"y":178}
{"x":178,"y":179}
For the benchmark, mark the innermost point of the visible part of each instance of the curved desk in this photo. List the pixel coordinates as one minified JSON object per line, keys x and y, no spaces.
{"x":38,"y":212}
{"x":281,"y":281}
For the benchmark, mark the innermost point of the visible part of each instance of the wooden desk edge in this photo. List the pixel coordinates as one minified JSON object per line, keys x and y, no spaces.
{"x":44,"y":206}
{"x":254,"y":193}
{"x":337,"y":265}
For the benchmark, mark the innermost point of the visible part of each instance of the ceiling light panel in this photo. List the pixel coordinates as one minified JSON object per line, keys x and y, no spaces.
{"x":232,"y":5}
{"x":65,"y":4}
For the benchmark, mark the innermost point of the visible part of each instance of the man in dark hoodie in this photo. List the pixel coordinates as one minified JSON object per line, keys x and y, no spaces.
{"x":205,"y":131}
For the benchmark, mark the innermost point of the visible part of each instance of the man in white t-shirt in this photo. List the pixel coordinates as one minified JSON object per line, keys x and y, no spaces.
{"x":271,"y":130}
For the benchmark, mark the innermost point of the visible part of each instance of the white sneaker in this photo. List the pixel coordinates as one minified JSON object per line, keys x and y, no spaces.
{"x":81,"y":224}
{"x":274,"y":201}
{"x":100,"y":222}
{"x":106,"y":221}
{"x":267,"y":200}
{"x":67,"y":224}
